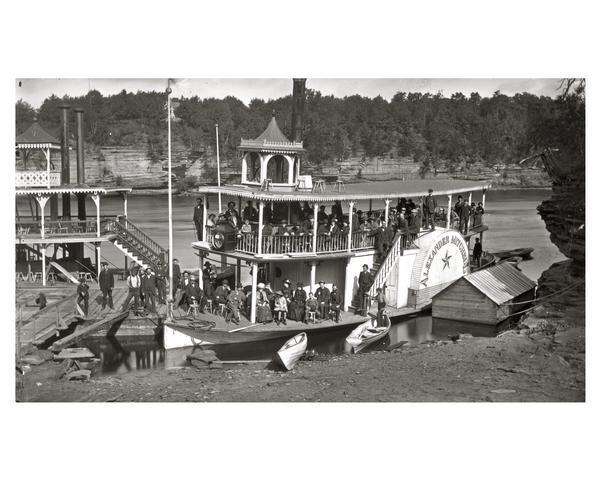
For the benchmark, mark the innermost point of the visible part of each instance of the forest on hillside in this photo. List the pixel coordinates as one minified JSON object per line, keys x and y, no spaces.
{"x":432,"y":129}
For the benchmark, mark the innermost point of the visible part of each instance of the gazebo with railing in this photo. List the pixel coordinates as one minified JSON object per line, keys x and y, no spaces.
{"x":35,"y":140}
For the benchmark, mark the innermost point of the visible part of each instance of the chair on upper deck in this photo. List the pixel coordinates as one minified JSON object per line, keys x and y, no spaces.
{"x":319,"y":186}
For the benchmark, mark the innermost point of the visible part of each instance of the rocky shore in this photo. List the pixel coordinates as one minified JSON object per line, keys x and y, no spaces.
{"x":542,"y":358}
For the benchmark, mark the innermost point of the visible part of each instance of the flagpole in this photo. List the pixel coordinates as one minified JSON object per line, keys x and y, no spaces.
{"x":170,"y":310}
{"x":218,"y":166}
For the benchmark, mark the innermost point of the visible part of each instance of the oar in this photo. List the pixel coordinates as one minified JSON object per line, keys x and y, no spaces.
{"x":244,"y":328}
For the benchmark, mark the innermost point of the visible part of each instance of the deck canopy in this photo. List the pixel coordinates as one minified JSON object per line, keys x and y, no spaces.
{"x":72,"y":189}
{"x":355,"y":191}
{"x":36,"y":138}
{"x":272,"y":139}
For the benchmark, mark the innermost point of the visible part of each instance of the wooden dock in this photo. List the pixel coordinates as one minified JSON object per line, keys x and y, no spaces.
{"x":80,"y":333}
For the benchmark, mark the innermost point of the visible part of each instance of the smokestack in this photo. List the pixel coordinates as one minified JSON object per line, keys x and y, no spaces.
{"x":80,"y":161}
{"x":298,"y":96}
{"x":81,"y":213}
{"x":65,"y":171}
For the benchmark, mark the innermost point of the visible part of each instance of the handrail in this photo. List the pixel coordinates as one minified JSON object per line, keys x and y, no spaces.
{"x":139,"y":241}
{"x":388,"y":263}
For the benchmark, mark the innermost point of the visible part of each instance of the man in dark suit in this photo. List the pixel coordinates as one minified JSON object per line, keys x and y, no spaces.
{"x":364,"y":284}
{"x":323,"y":297}
{"x":106,"y":282}
{"x":429,"y":206}
{"x":161,"y":282}
{"x":149,"y":289}
{"x":176,"y":275}
{"x":194,"y":294}
{"x":199,"y":218}
{"x":250,"y":213}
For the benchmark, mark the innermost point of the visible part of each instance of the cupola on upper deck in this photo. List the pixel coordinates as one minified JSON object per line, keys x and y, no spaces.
{"x":271,"y":157}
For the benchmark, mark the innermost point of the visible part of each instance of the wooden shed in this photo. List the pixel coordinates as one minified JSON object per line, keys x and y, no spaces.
{"x":487,"y":296}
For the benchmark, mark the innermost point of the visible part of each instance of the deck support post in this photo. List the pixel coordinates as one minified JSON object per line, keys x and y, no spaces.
{"x":483,"y":198}
{"x":238,"y":274}
{"x":449,"y":213}
{"x":350,"y":226}
{"x":42,"y":201}
{"x":96,"y":199}
{"x":200,"y":278}
{"x":387,"y":210}
{"x":289,"y":213}
{"x":348,"y":286}
{"x":261,"y":208}
{"x":469,"y":219}
{"x":43,"y":252}
{"x":315,"y":228}
{"x":124,"y":197}
{"x":204,"y":212}
{"x":313,"y":275}
{"x":98,"y":259}
{"x":253,"y":292}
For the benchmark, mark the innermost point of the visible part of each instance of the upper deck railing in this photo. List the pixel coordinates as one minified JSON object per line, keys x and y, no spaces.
{"x":28,"y":227}
{"x":36,"y":178}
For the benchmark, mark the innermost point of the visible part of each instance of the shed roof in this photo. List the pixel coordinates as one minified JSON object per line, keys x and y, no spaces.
{"x":36,"y":135}
{"x":500,"y":283}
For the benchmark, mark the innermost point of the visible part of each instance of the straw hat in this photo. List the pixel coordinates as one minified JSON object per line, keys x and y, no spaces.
{"x":261,"y":285}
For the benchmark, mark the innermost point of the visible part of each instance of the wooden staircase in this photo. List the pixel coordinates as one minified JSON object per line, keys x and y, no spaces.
{"x":136,"y":244}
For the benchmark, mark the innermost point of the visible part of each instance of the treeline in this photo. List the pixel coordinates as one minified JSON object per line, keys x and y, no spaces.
{"x":432,"y":129}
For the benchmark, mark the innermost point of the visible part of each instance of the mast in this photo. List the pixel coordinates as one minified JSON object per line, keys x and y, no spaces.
{"x":170,"y":310}
{"x":218,"y":165}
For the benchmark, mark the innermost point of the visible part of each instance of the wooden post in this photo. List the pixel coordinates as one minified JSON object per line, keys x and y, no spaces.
{"x":348,"y":286}
{"x":313,"y":275}
{"x":253,"y":292}
{"x":98,"y":259}
{"x":96,"y":199}
{"x":42,"y":201}
{"x":350,"y":211}
{"x":261,"y":207}
{"x":124,"y":197}
{"x":240,"y":206}
{"x":204,"y":212}
{"x":315,"y":226}
{"x":238,"y":273}
{"x":449,"y":213}
{"x":483,"y":199}
{"x":47,"y":153}
{"x":200,"y":279}
{"x":43,"y":264}
{"x":469,"y":219}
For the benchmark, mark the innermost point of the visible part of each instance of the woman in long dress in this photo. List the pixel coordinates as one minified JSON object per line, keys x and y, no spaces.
{"x":263,"y":310}
{"x":297,"y":305}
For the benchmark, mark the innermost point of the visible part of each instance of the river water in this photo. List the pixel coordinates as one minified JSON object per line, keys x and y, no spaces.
{"x":511,"y":216}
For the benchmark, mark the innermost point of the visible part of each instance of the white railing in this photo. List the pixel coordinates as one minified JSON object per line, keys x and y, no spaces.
{"x":36,"y":178}
{"x":388,"y":263}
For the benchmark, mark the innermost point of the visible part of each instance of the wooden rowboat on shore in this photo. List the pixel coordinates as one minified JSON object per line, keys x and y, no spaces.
{"x":292,"y":350}
{"x":368,"y":333}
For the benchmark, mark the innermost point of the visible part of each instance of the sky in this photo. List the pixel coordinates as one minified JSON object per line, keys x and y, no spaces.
{"x":34,"y":91}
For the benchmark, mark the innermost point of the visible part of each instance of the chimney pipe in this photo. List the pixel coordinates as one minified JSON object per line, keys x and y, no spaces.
{"x":80,"y":160}
{"x":298,"y":96}
{"x":65,"y":172}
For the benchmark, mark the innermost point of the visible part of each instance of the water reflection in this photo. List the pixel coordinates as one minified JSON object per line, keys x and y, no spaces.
{"x":125,"y":354}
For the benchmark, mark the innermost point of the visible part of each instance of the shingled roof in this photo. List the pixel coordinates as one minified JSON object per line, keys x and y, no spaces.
{"x":272,"y":139}
{"x":36,"y":135}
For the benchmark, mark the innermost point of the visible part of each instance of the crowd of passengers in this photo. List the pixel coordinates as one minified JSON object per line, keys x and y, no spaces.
{"x":289,"y":303}
{"x":406,"y":218}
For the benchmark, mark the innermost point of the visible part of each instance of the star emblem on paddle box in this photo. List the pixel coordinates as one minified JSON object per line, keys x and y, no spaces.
{"x":446,"y":261}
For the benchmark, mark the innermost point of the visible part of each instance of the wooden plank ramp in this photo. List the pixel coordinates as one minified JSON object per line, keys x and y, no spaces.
{"x":84,"y":332}
{"x":66,"y":273}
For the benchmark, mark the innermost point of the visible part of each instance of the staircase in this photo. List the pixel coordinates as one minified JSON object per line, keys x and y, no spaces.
{"x":380,"y":270}
{"x":136,"y":244}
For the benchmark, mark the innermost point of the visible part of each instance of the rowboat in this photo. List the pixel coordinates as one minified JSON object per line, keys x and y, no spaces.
{"x":292,"y":350}
{"x":368,"y":333}
{"x":524,"y":253}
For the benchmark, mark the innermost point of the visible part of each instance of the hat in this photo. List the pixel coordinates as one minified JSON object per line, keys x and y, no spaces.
{"x":278,"y":292}
{"x":299,"y":285}
{"x":206,"y":264}
{"x":103,"y":263}
{"x":365,"y":265}
{"x":261,"y":285}
{"x":225,"y":282}
{"x":287,"y":281}
{"x":320,"y":282}
{"x":175,"y":259}
{"x":239,"y":285}
{"x":430,"y":190}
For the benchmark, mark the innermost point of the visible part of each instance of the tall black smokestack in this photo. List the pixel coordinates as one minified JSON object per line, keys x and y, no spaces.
{"x":80,"y":160}
{"x":65,"y":171}
{"x":298,"y":96}
{"x":81,"y":213}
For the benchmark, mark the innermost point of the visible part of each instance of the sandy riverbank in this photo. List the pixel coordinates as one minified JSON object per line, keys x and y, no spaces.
{"x":542,"y":359}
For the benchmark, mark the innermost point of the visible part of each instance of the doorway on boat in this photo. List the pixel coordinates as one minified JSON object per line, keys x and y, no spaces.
{"x":278,"y":169}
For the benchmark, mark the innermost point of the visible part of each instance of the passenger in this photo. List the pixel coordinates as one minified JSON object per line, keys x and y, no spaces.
{"x":185,"y":282}
{"x":232,"y":215}
{"x":306,"y":211}
{"x":161,"y":283}
{"x":199,"y":218}
{"x":221,"y":294}
{"x":381,"y":303}
{"x":193,"y":295}
{"x":323,"y":297}
{"x":364,"y":284}
{"x":429,"y":208}
{"x":134,"y":282}
{"x":263,"y":310}
{"x":176,"y":275}
{"x":280,"y":308}
{"x":235,"y":302}
{"x":355,"y":221}
{"x":311,"y":305}
{"x":463,"y":216}
{"x":337,"y":211}
{"x":106,"y":281}
{"x":298,"y":304}
{"x":250,"y":213}
{"x":477,"y":251}
{"x":335,"y":304}
{"x":478,"y":217}
{"x":149,"y":290}
{"x":211,"y":221}
{"x":83,"y":296}
{"x":322,"y":215}
{"x":267,"y":214}
{"x":246,"y":227}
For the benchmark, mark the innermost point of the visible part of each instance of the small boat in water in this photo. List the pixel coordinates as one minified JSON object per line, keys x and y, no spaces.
{"x":368,"y":333}
{"x":292,"y":350}
{"x":524,"y":253}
